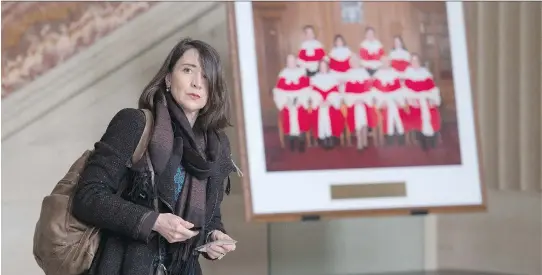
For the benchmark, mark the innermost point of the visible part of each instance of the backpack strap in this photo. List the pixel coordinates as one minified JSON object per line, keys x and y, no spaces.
{"x":141,"y":147}
{"x":145,"y":137}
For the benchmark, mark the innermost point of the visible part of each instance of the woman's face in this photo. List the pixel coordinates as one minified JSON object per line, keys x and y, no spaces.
{"x":187,"y":82}
{"x":415,"y":62}
{"x":339,"y":42}
{"x":397,"y":42}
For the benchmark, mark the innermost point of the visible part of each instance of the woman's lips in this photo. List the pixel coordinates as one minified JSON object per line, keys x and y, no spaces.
{"x":194,"y":96}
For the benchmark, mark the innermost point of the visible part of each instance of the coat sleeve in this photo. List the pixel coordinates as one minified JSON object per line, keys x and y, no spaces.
{"x":95,"y":201}
{"x":216,"y":220}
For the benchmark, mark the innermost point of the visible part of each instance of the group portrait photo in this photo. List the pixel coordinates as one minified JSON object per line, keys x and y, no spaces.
{"x":355,"y":85}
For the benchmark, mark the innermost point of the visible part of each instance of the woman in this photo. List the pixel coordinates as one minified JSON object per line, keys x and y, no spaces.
{"x":190,"y":157}
{"x":289,"y":95}
{"x":371,"y":51}
{"x":399,"y":56}
{"x":425,"y":100}
{"x":328,"y":119}
{"x":339,"y":58}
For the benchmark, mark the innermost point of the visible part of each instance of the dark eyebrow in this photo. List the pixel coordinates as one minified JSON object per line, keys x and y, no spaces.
{"x":189,"y":65}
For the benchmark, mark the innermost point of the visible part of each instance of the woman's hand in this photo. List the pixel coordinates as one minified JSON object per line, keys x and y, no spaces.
{"x":219,"y":251}
{"x":173,"y":228}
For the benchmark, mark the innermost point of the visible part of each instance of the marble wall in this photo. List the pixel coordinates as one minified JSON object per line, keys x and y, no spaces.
{"x":37,"y":36}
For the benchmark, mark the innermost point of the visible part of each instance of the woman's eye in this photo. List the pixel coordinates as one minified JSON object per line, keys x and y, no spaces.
{"x":187,"y":70}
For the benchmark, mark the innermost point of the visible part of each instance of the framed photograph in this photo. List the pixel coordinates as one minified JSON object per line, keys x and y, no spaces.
{"x":346,"y":117}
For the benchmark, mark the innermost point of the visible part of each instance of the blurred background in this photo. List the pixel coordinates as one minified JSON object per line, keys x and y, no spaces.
{"x":68,"y":67}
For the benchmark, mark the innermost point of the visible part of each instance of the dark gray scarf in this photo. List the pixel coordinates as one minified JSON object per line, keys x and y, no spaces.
{"x":197,"y":162}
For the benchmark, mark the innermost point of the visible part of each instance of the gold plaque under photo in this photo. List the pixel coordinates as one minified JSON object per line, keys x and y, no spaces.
{"x":373,"y":190}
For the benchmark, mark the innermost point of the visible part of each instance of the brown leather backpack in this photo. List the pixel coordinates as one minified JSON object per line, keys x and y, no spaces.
{"x":62,"y":244}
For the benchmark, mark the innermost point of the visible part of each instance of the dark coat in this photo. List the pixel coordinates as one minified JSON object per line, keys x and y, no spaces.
{"x":129,"y":245}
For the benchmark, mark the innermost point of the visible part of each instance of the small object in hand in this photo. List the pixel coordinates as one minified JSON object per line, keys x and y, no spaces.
{"x":203,"y":248}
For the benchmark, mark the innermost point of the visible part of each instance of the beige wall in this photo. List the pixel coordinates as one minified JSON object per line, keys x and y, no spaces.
{"x":505,"y":47}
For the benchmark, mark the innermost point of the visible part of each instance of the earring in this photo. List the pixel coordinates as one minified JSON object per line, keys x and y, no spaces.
{"x":168,"y":89}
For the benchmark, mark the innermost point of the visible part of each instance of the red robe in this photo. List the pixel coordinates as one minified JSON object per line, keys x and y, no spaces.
{"x":400,"y":60}
{"x":293,"y":84}
{"x":390,"y":97}
{"x":339,"y":61}
{"x":310,"y":54}
{"x":359,"y":99}
{"x":371,"y":52}
{"x":326,"y":100}
{"x":425,"y":99}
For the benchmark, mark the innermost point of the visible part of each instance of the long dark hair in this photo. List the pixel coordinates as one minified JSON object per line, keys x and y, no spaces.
{"x":216,"y":113}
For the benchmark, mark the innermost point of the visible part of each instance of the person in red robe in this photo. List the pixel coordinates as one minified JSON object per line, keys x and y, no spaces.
{"x":425,"y":101}
{"x":339,"y":58}
{"x":399,"y":56}
{"x":390,"y":98}
{"x":371,"y":51}
{"x":326,"y":100}
{"x":311,"y":51}
{"x":400,"y":60}
{"x":359,"y":98}
{"x":290,"y":96}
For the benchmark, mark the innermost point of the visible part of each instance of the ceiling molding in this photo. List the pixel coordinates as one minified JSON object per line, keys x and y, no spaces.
{"x":98,"y":61}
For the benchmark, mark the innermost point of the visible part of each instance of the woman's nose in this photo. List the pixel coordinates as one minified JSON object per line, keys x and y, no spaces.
{"x":197,"y":82}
